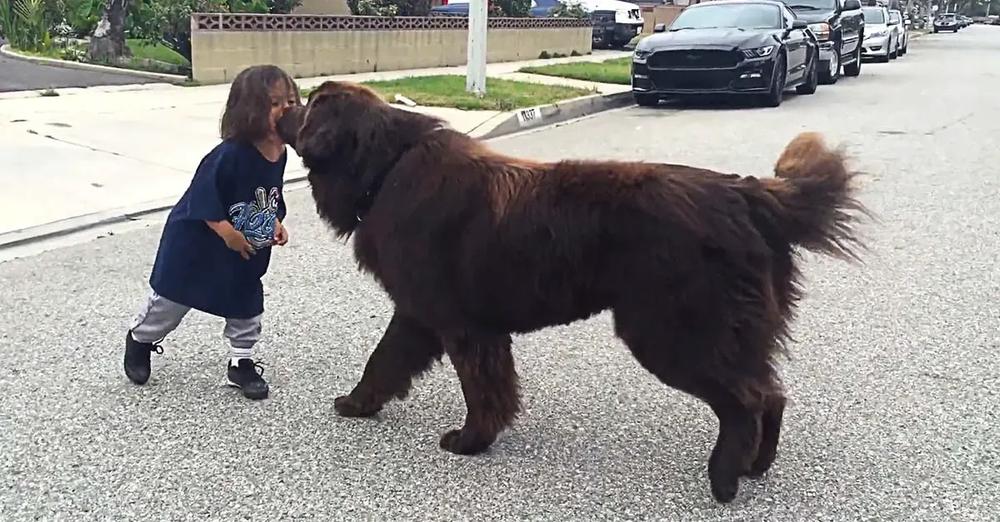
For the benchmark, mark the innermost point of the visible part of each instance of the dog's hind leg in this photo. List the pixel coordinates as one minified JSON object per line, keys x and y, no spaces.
{"x":774,"y":409}
{"x":406,"y":350}
{"x":681,"y":357}
{"x":485,"y":368}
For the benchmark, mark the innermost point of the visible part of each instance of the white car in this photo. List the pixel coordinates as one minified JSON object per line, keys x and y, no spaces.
{"x":902,"y":31}
{"x":881,"y":39}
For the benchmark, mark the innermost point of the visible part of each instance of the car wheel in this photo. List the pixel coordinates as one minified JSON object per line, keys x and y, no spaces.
{"x":646,"y":100}
{"x":854,"y":68}
{"x":812,"y":78}
{"x":777,"y":92}
{"x":832,"y":72}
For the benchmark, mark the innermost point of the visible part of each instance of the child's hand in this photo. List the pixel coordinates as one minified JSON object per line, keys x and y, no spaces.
{"x":233,"y":238}
{"x":238,"y":243}
{"x":280,"y":234}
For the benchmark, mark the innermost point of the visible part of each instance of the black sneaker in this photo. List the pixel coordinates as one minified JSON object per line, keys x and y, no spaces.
{"x":137,"y":358}
{"x":247,"y":377}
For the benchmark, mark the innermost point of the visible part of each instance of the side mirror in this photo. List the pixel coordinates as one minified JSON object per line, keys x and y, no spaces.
{"x":659,"y":28}
{"x":852,"y":5}
{"x":799,"y":25}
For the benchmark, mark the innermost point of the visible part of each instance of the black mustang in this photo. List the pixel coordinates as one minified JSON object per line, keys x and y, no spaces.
{"x":728,"y":47}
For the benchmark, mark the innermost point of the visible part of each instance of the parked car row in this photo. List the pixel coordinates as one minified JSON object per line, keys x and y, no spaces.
{"x":763,"y":48}
{"x":951,"y":22}
{"x":615,"y":22}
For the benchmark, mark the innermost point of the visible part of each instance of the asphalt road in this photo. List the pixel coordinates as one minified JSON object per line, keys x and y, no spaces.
{"x":20,"y":75}
{"x":894,"y":383}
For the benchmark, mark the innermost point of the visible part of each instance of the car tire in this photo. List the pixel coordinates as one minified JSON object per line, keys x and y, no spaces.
{"x":646,"y":100}
{"x":831,"y":73}
{"x":854,"y":68}
{"x":812,"y":79}
{"x":778,"y":79}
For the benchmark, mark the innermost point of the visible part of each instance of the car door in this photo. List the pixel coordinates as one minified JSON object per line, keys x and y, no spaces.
{"x":795,"y":45}
{"x":851,"y":27}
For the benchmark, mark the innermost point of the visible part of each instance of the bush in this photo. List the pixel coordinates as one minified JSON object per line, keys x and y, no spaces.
{"x":513,"y":8}
{"x":25,"y":25}
{"x":570,"y":11}
{"x":169,"y":21}
{"x":389,"y":7}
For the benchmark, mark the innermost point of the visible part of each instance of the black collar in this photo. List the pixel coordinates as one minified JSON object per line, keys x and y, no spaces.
{"x":367,"y":199}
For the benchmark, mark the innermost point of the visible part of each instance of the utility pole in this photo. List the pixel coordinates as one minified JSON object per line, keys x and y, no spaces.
{"x":475,"y":69}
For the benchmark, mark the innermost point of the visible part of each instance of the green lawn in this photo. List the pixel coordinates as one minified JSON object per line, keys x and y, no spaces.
{"x":449,"y":91}
{"x":144,"y":49}
{"x":141,"y":50}
{"x":608,"y":71}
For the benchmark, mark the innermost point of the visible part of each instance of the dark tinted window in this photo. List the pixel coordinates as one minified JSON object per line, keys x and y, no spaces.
{"x":812,"y":5}
{"x":743,"y":16}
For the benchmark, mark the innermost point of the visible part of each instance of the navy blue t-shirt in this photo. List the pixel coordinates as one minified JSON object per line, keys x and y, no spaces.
{"x":194,"y":267}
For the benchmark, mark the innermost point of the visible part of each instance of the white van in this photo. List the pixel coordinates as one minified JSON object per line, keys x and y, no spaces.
{"x":616,"y":23}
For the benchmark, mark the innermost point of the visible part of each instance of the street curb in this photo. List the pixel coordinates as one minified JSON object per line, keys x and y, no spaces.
{"x":531,"y":117}
{"x":65,"y":64}
{"x":512,"y":122}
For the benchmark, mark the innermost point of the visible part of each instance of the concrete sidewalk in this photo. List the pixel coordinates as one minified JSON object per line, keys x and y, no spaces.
{"x":91,"y":154}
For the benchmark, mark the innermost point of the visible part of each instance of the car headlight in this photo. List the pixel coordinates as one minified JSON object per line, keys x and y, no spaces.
{"x":640,"y":55}
{"x":821,"y":30}
{"x":759,"y":52}
{"x":878,"y":34}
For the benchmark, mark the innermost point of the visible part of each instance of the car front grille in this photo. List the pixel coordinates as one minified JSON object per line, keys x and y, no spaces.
{"x":694,"y":59}
{"x":694,"y":80}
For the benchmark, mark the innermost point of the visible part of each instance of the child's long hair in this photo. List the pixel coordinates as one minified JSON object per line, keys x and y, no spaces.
{"x":249,"y":105}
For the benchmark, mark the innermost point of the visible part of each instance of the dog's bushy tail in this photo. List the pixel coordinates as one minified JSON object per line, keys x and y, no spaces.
{"x":812,"y":198}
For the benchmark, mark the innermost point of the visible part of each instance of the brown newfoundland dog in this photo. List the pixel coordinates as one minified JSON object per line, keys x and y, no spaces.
{"x":698,"y":267}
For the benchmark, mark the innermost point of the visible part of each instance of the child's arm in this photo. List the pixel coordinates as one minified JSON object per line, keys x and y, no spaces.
{"x":234,"y":240}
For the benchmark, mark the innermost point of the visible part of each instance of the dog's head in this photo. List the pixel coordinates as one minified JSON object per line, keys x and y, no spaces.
{"x":348,"y":137}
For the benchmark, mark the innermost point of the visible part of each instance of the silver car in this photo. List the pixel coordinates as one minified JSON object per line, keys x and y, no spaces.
{"x":902,"y":31}
{"x":881,"y":40}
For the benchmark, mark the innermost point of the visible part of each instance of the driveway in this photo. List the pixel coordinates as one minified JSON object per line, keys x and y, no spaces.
{"x":20,"y":75}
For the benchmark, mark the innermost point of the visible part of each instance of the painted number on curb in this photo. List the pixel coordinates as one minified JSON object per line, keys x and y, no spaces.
{"x":529,"y":116}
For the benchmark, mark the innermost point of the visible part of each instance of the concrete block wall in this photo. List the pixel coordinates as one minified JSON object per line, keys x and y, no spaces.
{"x":222,"y":45}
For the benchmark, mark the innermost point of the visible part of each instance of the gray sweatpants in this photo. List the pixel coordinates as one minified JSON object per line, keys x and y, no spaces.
{"x":160,"y":316}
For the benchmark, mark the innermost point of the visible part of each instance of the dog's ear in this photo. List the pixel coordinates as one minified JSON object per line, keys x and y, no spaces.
{"x":319,"y":141}
{"x":377,"y":134}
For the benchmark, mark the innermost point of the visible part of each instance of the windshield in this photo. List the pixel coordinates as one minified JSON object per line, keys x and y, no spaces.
{"x":740,"y":16}
{"x":812,"y":5}
{"x":874,"y":16}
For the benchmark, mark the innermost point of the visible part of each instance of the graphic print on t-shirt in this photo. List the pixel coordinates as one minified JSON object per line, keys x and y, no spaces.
{"x":256,"y":219}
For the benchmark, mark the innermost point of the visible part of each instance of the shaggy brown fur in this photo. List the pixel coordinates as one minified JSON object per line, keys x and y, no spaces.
{"x":698,"y":267}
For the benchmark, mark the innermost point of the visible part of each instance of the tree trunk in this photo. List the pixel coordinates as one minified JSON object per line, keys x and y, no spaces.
{"x":108,"y":42}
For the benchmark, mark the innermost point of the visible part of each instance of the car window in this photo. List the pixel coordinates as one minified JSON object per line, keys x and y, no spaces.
{"x":743,"y":16}
{"x":789,"y":16}
{"x":874,"y":15}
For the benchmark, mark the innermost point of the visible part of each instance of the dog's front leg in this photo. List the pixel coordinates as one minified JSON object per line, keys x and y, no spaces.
{"x":485,"y":368}
{"x":406,"y":350}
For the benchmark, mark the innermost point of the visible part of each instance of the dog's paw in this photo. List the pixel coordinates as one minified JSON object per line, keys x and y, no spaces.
{"x":464,"y":442}
{"x":724,"y":490}
{"x":347,"y":406}
{"x":761,"y":465}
